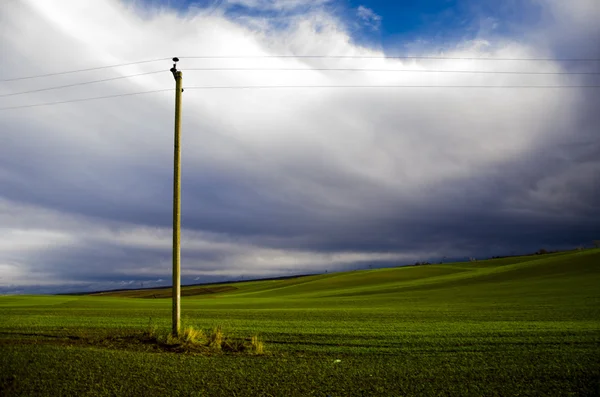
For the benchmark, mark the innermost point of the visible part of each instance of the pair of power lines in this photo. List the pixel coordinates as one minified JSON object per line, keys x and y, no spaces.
{"x":306,"y":69}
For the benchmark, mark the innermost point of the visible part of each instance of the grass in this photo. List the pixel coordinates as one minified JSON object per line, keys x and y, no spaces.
{"x":257,"y":345}
{"x":510,"y":326}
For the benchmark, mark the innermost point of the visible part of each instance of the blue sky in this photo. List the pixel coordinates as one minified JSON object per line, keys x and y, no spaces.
{"x":437,"y":22}
{"x":292,"y":181}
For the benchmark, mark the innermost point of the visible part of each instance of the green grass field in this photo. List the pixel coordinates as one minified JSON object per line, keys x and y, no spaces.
{"x":505,"y":327}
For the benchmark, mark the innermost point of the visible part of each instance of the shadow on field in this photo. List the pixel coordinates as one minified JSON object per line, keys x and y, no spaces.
{"x":7,"y":385}
{"x":71,"y":337}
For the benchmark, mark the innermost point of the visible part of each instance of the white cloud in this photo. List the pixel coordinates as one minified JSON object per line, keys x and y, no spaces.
{"x":369,"y":17}
{"x":277,"y":5}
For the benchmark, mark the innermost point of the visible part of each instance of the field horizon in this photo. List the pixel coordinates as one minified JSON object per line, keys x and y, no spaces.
{"x":163,"y":289}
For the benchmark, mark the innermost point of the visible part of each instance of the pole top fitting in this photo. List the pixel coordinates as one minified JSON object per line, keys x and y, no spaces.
{"x":174,"y":68}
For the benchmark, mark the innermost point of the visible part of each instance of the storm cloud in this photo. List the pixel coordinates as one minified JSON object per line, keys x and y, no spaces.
{"x":284,"y":181}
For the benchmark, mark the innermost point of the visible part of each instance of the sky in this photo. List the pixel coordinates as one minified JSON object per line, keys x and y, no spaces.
{"x":286,"y":181}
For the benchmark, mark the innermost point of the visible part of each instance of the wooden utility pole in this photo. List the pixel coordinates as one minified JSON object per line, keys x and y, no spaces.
{"x":177,"y":201}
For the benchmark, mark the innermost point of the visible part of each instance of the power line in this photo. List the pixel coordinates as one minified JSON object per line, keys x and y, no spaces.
{"x":308,"y":57}
{"x":86,"y":99}
{"x":216,"y":5}
{"x":299,"y":69}
{"x":383,"y":86}
{"x":84,"y":70}
{"x":303,"y":87}
{"x":391,"y":57}
{"x":78,"y":84}
{"x":387,"y":70}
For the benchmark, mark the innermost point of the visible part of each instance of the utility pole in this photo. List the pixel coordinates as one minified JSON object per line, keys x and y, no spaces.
{"x":177,"y":201}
